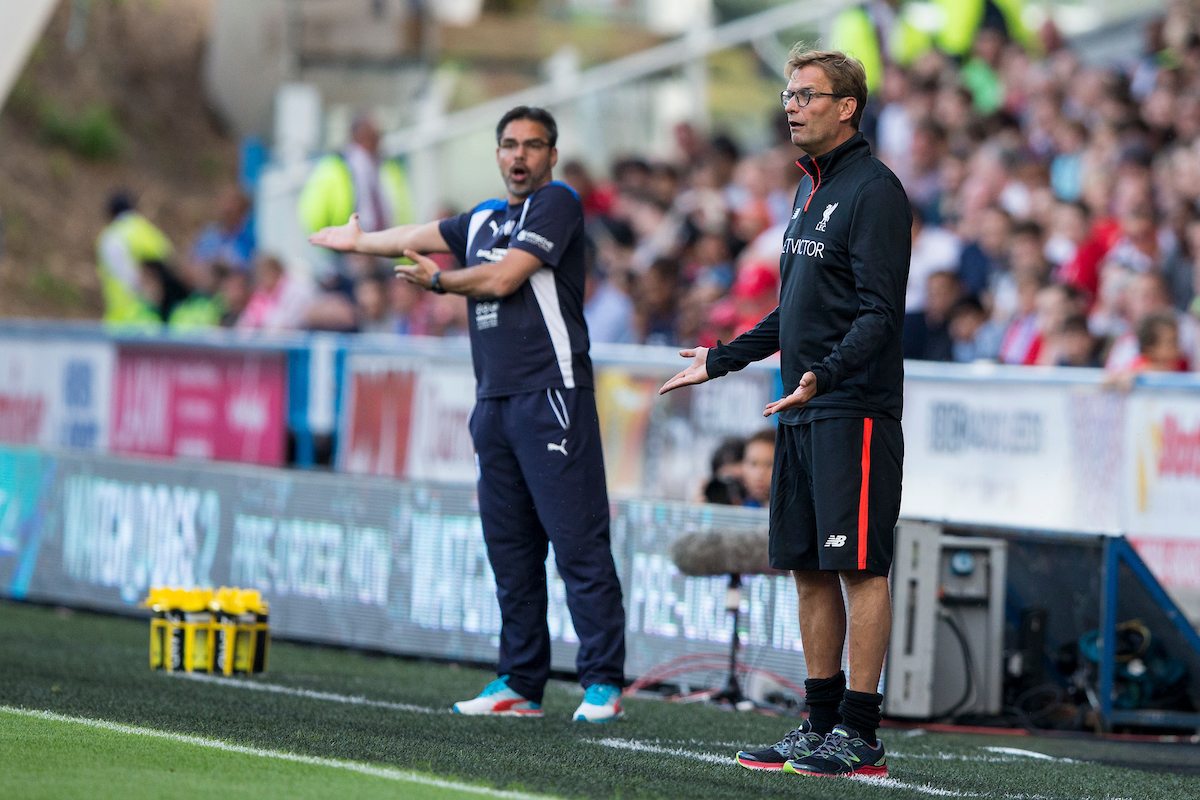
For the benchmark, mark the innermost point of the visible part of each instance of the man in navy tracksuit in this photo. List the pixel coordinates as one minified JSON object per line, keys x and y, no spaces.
{"x":835,"y":494}
{"x":535,"y":428}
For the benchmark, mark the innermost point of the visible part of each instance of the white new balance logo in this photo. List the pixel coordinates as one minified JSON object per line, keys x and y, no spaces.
{"x":561,"y":447}
{"x":836,"y":540}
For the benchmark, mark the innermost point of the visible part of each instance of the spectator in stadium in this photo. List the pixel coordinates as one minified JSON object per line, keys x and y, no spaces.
{"x":981,"y":72}
{"x":973,"y":336}
{"x":1143,"y":296}
{"x":1054,"y":304}
{"x":448,"y":315}
{"x":361,"y":181}
{"x":233,"y":293}
{"x":535,"y":427}
{"x":128,"y":241}
{"x":879,"y":34}
{"x":1021,"y":342}
{"x":934,"y":249}
{"x":408,"y":309}
{"x":985,"y":255}
{"x":1073,"y":344}
{"x":920,"y":171}
{"x":964,"y":20}
{"x":371,"y":305}
{"x":656,"y":303}
{"x":724,"y":485}
{"x":758,"y":462}
{"x":607,"y":305}
{"x":836,"y":484}
{"x":229,"y":238}
{"x":280,"y":301}
{"x":927,"y":334}
{"x":159,"y":288}
{"x":202,"y":307}
{"x":597,"y":196}
{"x":1159,"y":350}
{"x":755,"y":293}
{"x":1066,"y":165}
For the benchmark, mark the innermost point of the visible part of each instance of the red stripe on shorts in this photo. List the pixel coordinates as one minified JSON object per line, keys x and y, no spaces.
{"x":864,"y":494}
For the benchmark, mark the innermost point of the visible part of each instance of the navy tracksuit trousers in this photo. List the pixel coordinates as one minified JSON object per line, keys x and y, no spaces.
{"x":541,"y":479}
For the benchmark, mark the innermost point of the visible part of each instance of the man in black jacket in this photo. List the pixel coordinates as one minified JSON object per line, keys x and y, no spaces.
{"x":836,"y":490}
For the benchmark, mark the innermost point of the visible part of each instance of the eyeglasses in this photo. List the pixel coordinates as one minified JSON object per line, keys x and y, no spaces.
{"x":803,"y":97}
{"x":535,"y":145}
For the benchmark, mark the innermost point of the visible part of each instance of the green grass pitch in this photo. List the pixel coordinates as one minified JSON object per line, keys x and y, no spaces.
{"x":81,"y":715}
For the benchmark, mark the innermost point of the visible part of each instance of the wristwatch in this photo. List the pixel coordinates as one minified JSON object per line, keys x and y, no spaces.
{"x":435,"y":283}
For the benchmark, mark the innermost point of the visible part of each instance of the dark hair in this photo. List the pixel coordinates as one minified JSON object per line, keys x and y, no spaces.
{"x":1076,"y":323}
{"x":173,"y":289}
{"x":120,"y":201}
{"x":1152,"y":326}
{"x":724,"y":146}
{"x":538,"y":115}
{"x":627,"y":164}
{"x":1027,"y":227}
{"x":967,"y":305}
{"x":725,"y":490}
{"x":729,"y":451}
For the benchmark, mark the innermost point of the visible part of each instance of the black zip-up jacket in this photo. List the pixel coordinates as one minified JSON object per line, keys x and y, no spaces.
{"x":843,"y":271}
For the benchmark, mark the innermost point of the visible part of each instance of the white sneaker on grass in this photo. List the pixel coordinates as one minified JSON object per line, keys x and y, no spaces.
{"x":497,"y":700}
{"x":601,"y":703}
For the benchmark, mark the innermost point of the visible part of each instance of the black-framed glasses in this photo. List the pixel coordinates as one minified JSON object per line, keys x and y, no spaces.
{"x":804,"y":96}
{"x":534,"y":145}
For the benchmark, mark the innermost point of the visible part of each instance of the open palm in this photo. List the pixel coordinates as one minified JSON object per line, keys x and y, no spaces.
{"x":695,"y":372}
{"x":343,"y":238}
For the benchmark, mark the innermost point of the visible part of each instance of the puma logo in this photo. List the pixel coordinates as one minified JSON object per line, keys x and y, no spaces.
{"x":561,"y":447}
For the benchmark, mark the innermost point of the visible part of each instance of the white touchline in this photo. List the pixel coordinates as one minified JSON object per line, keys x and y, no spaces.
{"x":922,"y":788}
{"x":662,"y":747}
{"x":643,"y":747}
{"x":883,"y":783}
{"x":387,"y":773}
{"x":1015,"y":751}
{"x":307,"y":693}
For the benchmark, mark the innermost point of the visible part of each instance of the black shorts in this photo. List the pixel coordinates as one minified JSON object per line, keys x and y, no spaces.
{"x":835,"y":494}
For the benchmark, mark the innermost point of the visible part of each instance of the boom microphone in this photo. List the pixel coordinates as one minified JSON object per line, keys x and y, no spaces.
{"x":723,"y":553}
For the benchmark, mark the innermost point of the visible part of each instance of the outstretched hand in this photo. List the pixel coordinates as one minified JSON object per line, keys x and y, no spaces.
{"x":696,"y":372}
{"x":420,"y":272}
{"x":343,"y":238}
{"x":805,"y":391}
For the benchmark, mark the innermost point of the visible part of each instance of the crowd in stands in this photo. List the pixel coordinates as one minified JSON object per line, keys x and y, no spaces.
{"x":1056,"y":219}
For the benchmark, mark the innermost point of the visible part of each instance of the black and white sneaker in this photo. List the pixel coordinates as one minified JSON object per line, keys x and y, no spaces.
{"x":797,"y":744}
{"x":843,"y":753}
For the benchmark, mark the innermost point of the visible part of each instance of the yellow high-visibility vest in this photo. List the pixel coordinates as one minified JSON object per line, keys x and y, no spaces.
{"x":143,"y":242}
{"x":328,"y":195}
{"x":854,"y":34}
{"x":961,"y":20}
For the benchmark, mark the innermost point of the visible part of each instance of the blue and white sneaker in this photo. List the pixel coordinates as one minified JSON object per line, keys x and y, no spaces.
{"x":497,"y":700}
{"x":601,"y":703}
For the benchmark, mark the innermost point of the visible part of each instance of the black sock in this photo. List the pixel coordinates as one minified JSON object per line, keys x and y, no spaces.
{"x":822,"y":696}
{"x":860,"y":711}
